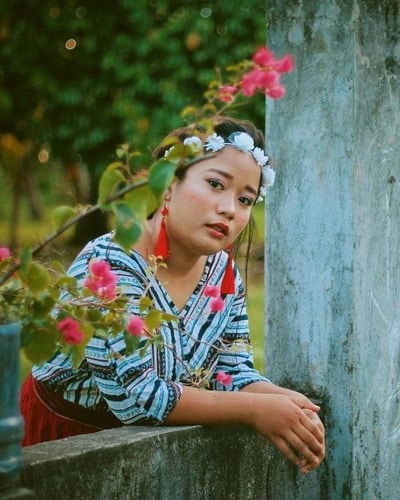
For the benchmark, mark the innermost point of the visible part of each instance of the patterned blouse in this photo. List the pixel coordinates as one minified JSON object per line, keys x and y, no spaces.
{"x":144,"y":389}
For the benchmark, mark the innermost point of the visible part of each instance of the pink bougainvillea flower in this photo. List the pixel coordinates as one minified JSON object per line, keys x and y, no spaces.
{"x":217,"y":305}
{"x":69,"y":327}
{"x":135,"y":325}
{"x":102,"y":281}
{"x":4,"y":253}
{"x":224,"y":378}
{"x":265,"y":77}
{"x":264,"y":57}
{"x":211,"y":291}
{"x":250,"y":82}
{"x":277,"y":92}
{"x":269,"y":80}
{"x":226,"y":93}
{"x":285,"y":64}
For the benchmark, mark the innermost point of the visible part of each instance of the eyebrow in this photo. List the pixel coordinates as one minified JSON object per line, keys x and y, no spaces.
{"x":230,"y":177}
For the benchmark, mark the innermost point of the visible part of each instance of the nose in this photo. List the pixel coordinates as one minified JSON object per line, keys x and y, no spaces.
{"x":226,"y":205}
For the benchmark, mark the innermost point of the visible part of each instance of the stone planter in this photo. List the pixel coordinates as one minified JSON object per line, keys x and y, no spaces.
{"x":11,"y":421}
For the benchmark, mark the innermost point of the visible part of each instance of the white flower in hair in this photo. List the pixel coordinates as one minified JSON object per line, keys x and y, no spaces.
{"x":194,"y":142}
{"x":260,"y":156}
{"x":239,"y":140}
{"x":242,"y":140}
{"x":262,"y":193}
{"x":268,"y":176}
{"x":214,"y":143}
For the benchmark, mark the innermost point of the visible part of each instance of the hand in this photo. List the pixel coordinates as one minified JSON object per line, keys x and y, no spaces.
{"x":298,"y":434}
{"x":306,"y":467}
{"x":269,"y":388}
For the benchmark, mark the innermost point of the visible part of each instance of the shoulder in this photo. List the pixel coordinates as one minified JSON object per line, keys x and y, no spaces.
{"x":105,"y":248}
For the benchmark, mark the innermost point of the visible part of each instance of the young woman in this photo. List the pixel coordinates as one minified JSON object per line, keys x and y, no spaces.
{"x":206,"y":208}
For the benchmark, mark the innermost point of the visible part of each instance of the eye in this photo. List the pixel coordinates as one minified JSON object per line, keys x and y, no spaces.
{"x":216,"y":184}
{"x":245,"y":200}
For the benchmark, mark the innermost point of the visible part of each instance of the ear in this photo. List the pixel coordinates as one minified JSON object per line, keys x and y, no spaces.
{"x":168,"y":192}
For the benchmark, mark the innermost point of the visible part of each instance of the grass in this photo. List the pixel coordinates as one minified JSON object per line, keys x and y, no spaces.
{"x":255,"y":291}
{"x":34,"y":231}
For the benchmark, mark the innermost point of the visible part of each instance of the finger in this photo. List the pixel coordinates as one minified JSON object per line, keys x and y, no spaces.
{"x":287,"y":451}
{"x":306,"y":467}
{"x":304,"y":450}
{"x":314,"y":427}
{"x":304,"y":403}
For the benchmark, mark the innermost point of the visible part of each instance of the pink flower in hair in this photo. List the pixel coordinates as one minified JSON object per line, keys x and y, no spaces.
{"x":70,"y":329}
{"x":102,"y":282}
{"x":224,"y":378}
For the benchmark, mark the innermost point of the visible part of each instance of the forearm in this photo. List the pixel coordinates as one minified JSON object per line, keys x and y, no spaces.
{"x":277,"y":417}
{"x":202,"y":407}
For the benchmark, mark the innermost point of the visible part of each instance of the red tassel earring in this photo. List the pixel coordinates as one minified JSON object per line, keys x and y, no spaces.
{"x":162,"y":241}
{"x":228,"y":281}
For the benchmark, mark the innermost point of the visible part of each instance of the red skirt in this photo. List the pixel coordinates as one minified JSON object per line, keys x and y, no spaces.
{"x":48,"y":416}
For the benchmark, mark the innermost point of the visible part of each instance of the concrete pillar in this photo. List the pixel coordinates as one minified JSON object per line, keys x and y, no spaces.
{"x":333,"y":232}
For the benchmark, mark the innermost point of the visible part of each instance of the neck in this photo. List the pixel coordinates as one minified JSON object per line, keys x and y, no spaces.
{"x":179,"y":263}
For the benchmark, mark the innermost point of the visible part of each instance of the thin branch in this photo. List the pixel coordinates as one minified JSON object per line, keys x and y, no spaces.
{"x":87,"y":211}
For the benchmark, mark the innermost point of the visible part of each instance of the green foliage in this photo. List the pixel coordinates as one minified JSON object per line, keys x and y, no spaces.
{"x":83,"y":77}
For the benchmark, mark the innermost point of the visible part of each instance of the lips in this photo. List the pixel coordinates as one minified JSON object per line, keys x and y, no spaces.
{"x":220,"y":227}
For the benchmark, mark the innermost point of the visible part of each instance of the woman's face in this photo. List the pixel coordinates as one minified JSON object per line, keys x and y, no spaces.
{"x":212,"y":204}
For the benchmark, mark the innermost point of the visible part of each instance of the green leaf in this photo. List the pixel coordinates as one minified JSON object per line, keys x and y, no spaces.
{"x":161,"y":175}
{"x":189,"y":110}
{"x":94,"y":315}
{"x":169,"y":317}
{"x":142,"y":201}
{"x":78,"y":350}
{"x":109,"y":181}
{"x":38,"y":344}
{"x":42,"y":307}
{"x":153,"y":319}
{"x":145,"y":303}
{"x":158,"y":341}
{"x":25,"y":260}
{"x":62,"y":214}
{"x":58,"y":266}
{"x":36,"y":278}
{"x":132,"y":343}
{"x":127,"y":228}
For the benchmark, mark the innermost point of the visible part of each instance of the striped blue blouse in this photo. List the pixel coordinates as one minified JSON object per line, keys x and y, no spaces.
{"x":144,"y":389}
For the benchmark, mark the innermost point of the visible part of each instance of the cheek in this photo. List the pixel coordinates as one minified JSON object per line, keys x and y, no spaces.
{"x":196,"y":198}
{"x":242,"y":221}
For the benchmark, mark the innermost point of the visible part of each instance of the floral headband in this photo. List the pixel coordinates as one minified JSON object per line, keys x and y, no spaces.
{"x":239,"y":140}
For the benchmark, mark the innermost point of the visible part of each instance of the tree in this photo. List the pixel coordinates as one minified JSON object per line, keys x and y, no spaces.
{"x":79,"y":77}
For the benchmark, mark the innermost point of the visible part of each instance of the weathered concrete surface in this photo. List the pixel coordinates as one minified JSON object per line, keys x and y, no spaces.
{"x":170,"y":463}
{"x":333,"y":232}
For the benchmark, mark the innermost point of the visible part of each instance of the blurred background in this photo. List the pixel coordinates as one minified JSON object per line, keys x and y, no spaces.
{"x":80,"y":77}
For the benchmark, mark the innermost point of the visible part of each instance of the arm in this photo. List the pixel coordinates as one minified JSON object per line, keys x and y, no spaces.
{"x":275,"y":416}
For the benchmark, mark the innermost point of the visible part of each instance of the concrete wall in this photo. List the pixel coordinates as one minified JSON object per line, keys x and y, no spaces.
{"x":169,"y":463}
{"x":333,"y":232}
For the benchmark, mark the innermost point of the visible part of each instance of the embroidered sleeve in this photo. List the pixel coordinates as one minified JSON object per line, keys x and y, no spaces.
{"x":133,"y":386}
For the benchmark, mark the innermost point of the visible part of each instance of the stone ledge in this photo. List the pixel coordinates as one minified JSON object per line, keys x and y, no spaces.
{"x":165,"y":463}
